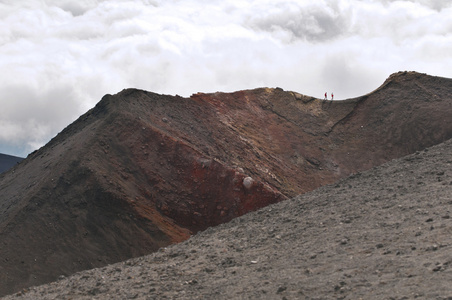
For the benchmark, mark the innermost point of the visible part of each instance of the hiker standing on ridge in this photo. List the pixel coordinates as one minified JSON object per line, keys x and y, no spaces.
{"x":332,"y":96}
{"x":326,"y":96}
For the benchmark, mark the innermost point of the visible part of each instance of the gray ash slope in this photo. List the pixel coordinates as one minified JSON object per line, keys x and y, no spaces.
{"x":381,"y":234}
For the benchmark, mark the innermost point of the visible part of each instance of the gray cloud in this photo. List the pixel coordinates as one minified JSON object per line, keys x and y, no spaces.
{"x":29,"y":115}
{"x":59,"y":57}
{"x":314,"y":22}
{"x":433,"y":4}
{"x":75,"y":8}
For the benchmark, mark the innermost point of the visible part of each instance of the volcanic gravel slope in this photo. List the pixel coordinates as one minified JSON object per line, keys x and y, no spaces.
{"x":141,"y":171}
{"x":381,"y":234}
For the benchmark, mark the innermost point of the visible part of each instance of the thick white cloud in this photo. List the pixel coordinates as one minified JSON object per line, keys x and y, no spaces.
{"x":59,"y":57}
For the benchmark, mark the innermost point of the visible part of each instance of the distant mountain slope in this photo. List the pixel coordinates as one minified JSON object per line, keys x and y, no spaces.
{"x":141,"y":171}
{"x":8,"y":161}
{"x":380,"y":234}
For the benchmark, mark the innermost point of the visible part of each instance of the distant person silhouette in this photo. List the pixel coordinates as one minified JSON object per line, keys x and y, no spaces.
{"x":332,"y":96}
{"x":326,"y":96}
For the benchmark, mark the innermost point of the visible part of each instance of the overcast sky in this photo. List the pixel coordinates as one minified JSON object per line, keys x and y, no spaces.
{"x":59,"y":57}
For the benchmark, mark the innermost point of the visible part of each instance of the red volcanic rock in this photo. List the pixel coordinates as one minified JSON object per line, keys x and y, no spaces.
{"x":141,"y":171}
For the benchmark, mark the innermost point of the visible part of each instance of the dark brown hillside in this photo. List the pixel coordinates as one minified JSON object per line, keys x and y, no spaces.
{"x":141,"y":170}
{"x":379,"y":234}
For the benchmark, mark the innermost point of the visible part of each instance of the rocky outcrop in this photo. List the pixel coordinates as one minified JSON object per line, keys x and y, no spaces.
{"x":141,"y":170}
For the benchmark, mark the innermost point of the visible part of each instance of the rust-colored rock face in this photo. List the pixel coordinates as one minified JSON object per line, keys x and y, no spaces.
{"x":141,"y":171}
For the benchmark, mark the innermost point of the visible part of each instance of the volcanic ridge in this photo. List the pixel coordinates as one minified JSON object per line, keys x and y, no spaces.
{"x":141,"y":171}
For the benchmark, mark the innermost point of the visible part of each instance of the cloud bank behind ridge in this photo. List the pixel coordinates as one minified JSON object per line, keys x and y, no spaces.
{"x":58,"y":58}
